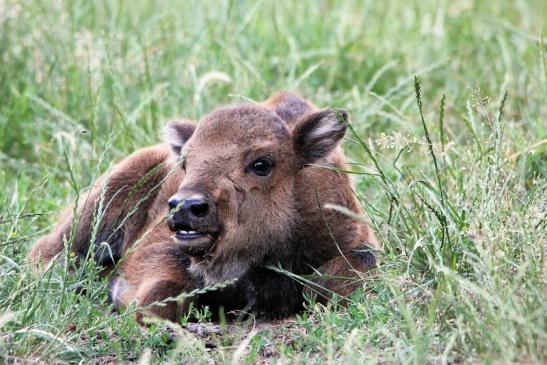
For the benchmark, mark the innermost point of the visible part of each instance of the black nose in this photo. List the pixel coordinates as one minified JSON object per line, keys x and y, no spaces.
{"x":197,"y":207}
{"x":190,"y":210}
{"x":173,"y":203}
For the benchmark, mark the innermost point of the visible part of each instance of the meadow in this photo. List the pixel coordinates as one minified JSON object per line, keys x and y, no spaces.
{"x":447,"y":148}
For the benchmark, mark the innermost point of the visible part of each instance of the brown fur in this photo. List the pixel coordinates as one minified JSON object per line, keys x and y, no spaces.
{"x":254,"y":221}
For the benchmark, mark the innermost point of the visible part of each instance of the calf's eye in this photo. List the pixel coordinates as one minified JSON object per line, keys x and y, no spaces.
{"x":262,"y":166}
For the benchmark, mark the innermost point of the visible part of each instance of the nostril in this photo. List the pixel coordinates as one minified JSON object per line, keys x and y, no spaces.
{"x":199,"y":209}
{"x":173,"y":203}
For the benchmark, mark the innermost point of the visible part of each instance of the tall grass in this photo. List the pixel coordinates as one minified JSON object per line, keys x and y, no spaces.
{"x":447,"y":143}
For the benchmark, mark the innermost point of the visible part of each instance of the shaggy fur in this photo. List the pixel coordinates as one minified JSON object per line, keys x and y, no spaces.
{"x":251,"y":221}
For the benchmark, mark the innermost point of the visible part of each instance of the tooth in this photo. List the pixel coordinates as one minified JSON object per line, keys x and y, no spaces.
{"x":183,"y":232}
{"x":192,"y":232}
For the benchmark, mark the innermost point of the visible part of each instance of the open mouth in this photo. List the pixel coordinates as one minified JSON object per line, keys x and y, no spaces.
{"x":189,"y":235}
{"x":194,"y":243}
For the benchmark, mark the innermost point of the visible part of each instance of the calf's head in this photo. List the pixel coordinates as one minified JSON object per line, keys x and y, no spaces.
{"x":235,"y":206}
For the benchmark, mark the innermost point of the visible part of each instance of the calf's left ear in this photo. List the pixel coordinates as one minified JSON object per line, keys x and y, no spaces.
{"x":317,"y":135}
{"x":177,"y":133}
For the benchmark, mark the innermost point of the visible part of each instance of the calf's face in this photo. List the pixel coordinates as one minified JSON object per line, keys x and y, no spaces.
{"x":235,"y":206}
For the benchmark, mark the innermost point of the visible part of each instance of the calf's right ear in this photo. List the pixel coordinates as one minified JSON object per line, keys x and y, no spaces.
{"x":177,"y":133}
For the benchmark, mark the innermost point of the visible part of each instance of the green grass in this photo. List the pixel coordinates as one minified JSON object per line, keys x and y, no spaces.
{"x":451,"y":168}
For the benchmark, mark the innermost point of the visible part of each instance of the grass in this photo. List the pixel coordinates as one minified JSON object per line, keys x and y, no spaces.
{"x":450,"y":166}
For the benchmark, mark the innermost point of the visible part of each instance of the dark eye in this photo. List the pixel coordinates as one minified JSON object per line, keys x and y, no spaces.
{"x":262,"y":166}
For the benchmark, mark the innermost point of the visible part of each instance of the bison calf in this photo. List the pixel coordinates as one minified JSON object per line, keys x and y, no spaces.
{"x":243,"y":190}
